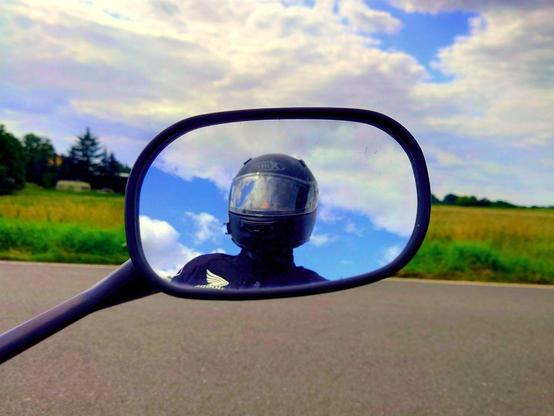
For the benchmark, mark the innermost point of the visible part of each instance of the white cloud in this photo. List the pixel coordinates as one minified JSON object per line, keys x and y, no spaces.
{"x":328,"y":214}
{"x":131,"y":68}
{"x":352,"y":228}
{"x":368,"y":20}
{"x":207,"y":227}
{"x":162,"y":61}
{"x":390,"y":253}
{"x":435,"y":6}
{"x":318,"y":240}
{"x":502,"y":85}
{"x":496,"y":108}
{"x":161,"y":246}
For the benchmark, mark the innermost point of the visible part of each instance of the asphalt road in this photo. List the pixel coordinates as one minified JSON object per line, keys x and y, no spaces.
{"x":391,"y":348}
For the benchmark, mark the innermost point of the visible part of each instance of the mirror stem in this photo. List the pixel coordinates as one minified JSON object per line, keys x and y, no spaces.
{"x":122,"y":285}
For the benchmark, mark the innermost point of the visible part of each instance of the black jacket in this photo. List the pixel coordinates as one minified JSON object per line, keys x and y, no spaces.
{"x":246,"y":270}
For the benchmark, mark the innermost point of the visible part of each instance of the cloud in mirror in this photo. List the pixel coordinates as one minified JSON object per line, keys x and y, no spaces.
{"x":207,"y":227}
{"x":161,"y":246}
{"x":367,"y":195}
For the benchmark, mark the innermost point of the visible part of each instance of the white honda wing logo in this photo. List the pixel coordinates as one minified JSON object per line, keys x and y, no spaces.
{"x":214,"y":281}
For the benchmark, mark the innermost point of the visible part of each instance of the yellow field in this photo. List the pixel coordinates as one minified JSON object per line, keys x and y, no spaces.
{"x":89,"y":209}
{"x":493,"y":244}
{"x":520,"y":230}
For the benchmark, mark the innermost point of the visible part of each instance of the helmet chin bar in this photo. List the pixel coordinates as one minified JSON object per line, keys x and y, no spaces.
{"x":280,"y":232}
{"x":257,"y":227}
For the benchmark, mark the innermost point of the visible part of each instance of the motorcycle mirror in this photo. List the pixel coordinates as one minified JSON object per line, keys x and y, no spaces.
{"x":359,"y":217}
{"x":358,"y":176}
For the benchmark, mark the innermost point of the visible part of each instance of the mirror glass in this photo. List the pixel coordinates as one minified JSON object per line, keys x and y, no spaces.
{"x":317,"y":200}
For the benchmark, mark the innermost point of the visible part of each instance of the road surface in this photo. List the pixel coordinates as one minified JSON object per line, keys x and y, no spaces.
{"x":391,"y":348}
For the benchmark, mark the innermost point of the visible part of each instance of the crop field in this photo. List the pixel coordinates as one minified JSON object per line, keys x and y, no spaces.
{"x":50,"y":225}
{"x":465,"y":243}
{"x":488,"y":244}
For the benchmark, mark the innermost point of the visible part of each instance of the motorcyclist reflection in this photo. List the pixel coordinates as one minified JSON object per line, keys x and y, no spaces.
{"x":272,"y":210}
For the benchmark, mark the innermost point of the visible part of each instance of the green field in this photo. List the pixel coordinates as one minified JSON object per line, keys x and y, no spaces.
{"x":465,"y":243}
{"x":487,"y":244}
{"x":41,"y":225}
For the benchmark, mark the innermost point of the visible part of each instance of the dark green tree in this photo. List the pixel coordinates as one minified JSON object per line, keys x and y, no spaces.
{"x":83,"y":158}
{"x":503,"y":204}
{"x":484,"y":202}
{"x":109,"y":170}
{"x":450,"y":199}
{"x":39,"y":155}
{"x":467,"y":201}
{"x":12,"y":165}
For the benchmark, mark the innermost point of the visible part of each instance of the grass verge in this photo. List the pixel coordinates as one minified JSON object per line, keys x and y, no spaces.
{"x":478,"y":261}
{"x":73,"y":227}
{"x":463,"y":243}
{"x":69,"y":243}
{"x":487,"y":244}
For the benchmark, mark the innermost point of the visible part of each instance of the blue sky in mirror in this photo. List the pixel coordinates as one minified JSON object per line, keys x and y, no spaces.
{"x":349,"y":238}
{"x":332,"y":252}
{"x":471,"y":80}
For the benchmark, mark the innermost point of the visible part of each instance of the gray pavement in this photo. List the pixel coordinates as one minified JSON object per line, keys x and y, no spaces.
{"x":391,"y":348}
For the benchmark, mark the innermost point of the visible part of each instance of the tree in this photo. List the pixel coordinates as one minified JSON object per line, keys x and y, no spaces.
{"x":467,"y":201}
{"x":503,"y":204}
{"x":450,"y":199}
{"x":39,"y":155}
{"x":484,"y":202}
{"x":82,"y":160}
{"x":109,"y":170}
{"x":12,"y":166}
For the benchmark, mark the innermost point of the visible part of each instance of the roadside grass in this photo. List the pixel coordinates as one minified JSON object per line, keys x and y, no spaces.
{"x":69,"y":243}
{"x":57,"y":226}
{"x":490,"y":244}
{"x":463,"y":243}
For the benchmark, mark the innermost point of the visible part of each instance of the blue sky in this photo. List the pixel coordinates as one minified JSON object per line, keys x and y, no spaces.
{"x":335,"y":254}
{"x":423,"y":34}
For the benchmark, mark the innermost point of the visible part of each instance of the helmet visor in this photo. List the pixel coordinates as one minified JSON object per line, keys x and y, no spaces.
{"x":270,"y":193}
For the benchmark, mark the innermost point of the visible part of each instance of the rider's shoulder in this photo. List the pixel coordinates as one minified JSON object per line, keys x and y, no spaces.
{"x":310,"y":275}
{"x":199,"y":263}
{"x":208,"y":258}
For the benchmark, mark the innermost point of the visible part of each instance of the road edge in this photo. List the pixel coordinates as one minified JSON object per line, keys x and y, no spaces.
{"x":394,"y":279}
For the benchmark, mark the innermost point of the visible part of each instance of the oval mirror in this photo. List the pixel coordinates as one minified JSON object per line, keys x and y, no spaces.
{"x":276,"y":203}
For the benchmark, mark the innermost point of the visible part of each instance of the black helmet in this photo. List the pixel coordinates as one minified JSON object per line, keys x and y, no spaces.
{"x":272,"y":203}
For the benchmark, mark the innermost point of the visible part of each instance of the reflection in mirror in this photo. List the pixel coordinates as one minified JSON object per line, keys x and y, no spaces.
{"x":316,"y":200}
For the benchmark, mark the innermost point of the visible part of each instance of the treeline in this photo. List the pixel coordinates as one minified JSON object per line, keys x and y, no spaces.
{"x":472,"y":201}
{"x":34,"y":159}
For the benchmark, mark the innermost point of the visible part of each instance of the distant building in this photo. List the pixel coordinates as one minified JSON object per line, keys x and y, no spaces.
{"x":120,"y":182}
{"x":55,"y":160}
{"x":77,"y":186}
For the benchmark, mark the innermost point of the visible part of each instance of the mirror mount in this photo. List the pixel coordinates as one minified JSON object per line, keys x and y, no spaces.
{"x":123,"y":285}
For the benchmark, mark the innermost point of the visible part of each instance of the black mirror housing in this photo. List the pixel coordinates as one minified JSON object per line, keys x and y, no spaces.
{"x":375,"y":119}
